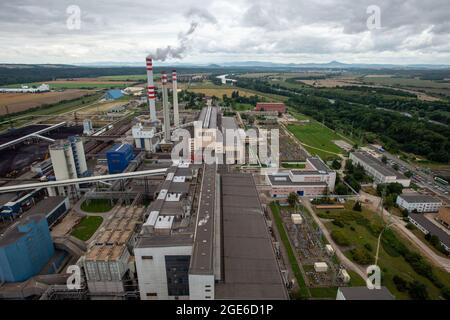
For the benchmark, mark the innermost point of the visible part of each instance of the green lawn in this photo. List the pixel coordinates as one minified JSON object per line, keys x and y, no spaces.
{"x":293,"y":165}
{"x":130,"y":77}
{"x":315,"y":135}
{"x":87,"y":227}
{"x":361,"y":229}
{"x":304,"y":292}
{"x":324,"y":293}
{"x":96,"y":205}
{"x":243,"y":107}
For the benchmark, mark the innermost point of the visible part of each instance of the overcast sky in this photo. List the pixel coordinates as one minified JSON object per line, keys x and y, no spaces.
{"x":194,"y":31}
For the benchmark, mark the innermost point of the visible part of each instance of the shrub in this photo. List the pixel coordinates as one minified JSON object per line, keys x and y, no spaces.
{"x":417,"y":291}
{"x":400,"y":283}
{"x":369,"y":247}
{"x":362,"y":256}
{"x":340,"y":238}
{"x":338,"y":223}
{"x":357,"y":206}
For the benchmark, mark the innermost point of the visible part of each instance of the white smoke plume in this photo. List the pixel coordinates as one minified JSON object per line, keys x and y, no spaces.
{"x":177,"y":52}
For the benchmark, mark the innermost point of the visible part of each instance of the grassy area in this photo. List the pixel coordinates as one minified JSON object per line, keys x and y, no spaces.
{"x":410,"y":82}
{"x":130,"y":77}
{"x":303,"y":291}
{"x":324,"y":293}
{"x":243,"y":107}
{"x":87,"y":227}
{"x":96,"y":205}
{"x":317,"y":136}
{"x":361,"y":230}
{"x":293,"y":165}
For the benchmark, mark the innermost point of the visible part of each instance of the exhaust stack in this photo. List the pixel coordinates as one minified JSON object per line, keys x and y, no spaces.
{"x":176,"y":115}
{"x":151,"y":89}
{"x":165,"y":107}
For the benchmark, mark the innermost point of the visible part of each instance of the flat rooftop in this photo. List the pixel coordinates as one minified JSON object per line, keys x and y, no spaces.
{"x":419,"y":198}
{"x":250,"y":268}
{"x":377,"y":165}
{"x":278,"y":180}
{"x":203,"y":251}
{"x":364,"y":293}
{"x":431,"y":227}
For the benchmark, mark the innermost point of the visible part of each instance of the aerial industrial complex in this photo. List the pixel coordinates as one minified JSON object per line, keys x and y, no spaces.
{"x":148,"y":199}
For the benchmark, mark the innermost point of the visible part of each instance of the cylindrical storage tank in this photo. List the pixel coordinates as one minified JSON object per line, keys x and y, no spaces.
{"x":320,"y":267}
{"x":82,"y":165}
{"x":62,"y":161}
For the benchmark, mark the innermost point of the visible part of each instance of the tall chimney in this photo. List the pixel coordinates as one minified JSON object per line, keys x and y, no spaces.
{"x":165,"y":108}
{"x":151,"y":89}
{"x":176,"y":115}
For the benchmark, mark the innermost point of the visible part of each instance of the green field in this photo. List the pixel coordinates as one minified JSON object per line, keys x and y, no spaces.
{"x":87,"y":227}
{"x":318,"y":138}
{"x":361,"y":230}
{"x":406,"y":82}
{"x":131,"y":77}
{"x":97,"y":205}
{"x":243,"y":107}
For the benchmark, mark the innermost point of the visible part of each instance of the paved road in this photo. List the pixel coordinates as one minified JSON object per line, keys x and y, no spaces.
{"x":350,"y":265}
{"x":399,"y":225}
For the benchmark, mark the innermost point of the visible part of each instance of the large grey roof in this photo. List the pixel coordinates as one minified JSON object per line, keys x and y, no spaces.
{"x":377,"y":165}
{"x":431,"y":227}
{"x":364,"y":293}
{"x":249,"y":262}
{"x":422,"y":198}
{"x":289,"y":182}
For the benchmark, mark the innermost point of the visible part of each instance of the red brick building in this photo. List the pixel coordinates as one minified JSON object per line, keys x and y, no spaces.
{"x":271,"y":106}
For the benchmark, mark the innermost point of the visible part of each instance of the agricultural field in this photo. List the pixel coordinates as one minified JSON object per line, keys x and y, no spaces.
{"x":357,"y":234}
{"x":131,"y":77}
{"x":19,"y":102}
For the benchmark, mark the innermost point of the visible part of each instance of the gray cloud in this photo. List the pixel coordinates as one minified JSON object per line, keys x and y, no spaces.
{"x":287,"y":30}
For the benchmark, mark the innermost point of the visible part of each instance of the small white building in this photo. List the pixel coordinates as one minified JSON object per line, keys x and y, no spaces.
{"x":329,"y":249}
{"x":296,"y":218}
{"x":418,"y":202}
{"x":320,"y":267}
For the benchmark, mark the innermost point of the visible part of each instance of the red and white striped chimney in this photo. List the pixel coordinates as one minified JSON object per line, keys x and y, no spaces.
{"x":176,"y":115}
{"x":151,"y":94}
{"x":166,"y":111}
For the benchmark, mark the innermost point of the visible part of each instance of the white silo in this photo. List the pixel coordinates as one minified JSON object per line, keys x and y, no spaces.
{"x":78,"y":155}
{"x":63,"y":161}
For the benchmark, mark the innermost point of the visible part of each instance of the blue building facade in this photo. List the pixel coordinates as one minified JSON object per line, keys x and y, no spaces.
{"x":119,"y":157}
{"x":113,"y":94}
{"x":25,"y":248}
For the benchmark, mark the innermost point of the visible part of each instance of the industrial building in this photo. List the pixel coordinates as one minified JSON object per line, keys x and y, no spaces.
{"x":427,"y":226}
{"x":271,"y":106}
{"x":119,"y":157}
{"x":363,"y":293}
{"x":25,"y":89}
{"x":380,"y":172}
{"x":25,"y":248}
{"x":113,"y":94}
{"x":315,"y":179}
{"x":418,"y":202}
{"x":443,"y":216}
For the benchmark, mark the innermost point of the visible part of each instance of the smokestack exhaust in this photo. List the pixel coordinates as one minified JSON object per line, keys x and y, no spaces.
{"x":176,"y":115}
{"x":151,"y":95}
{"x":166,"y":112}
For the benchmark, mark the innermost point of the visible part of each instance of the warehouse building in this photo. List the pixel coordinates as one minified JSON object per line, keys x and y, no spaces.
{"x":443,"y":216}
{"x":119,"y":157}
{"x":315,"y":179}
{"x":363,"y":293}
{"x":418,"y":202}
{"x":271,"y":106}
{"x":427,"y":226}
{"x":380,"y":172}
{"x":113,"y":94}
{"x":25,"y":248}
